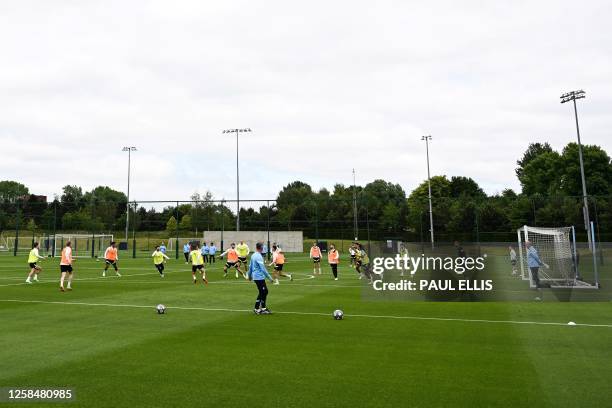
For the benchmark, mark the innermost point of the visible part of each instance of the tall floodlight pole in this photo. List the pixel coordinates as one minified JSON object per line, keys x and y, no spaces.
{"x":128,"y":149}
{"x":355,"y":225}
{"x":572,"y":96}
{"x":431,"y":228}
{"x":237,"y":131}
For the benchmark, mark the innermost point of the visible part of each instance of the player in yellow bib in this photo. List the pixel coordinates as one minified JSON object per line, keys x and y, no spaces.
{"x":242,"y":250}
{"x":33,"y":259}
{"x":159,"y":259}
{"x":362,"y":263}
{"x":197,"y":264}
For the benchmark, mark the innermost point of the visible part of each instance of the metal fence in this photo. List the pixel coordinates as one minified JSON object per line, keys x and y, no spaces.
{"x":462,"y":219}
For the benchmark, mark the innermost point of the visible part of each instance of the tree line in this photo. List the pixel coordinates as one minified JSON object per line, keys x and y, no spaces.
{"x":551,"y":195}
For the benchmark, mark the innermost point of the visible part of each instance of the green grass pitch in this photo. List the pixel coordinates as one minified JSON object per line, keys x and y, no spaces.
{"x":106,"y":341}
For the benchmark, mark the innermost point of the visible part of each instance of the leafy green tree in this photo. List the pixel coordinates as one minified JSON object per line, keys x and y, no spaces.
{"x":296,"y":203}
{"x":171,"y":226}
{"x":465,"y":186}
{"x":378,"y":194}
{"x":185,"y":224}
{"x":31,"y":225}
{"x":542,"y":174}
{"x":81,"y":220}
{"x":106,"y":204}
{"x":391,"y":217}
{"x":533,"y":151}
{"x":598,"y":171}
{"x":10,"y":190}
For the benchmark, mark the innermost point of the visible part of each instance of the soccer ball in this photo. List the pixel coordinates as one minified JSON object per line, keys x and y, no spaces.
{"x":338,"y":314}
{"x":161,"y":309}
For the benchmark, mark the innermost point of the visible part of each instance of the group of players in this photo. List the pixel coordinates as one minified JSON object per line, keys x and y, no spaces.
{"x":197,"y":256}
{"x":255,"y":271}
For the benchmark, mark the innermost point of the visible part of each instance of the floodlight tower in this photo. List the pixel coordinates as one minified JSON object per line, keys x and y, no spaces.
{"x":567,"y":97}
{"x":431,"y":228}
{"x":237,"y":131}
{"x":128,"y":149}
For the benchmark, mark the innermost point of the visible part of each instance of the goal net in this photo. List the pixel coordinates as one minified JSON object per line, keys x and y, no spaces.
{"x":83,"y":245}
{"x":24,"y":243}
{"x":556,"y":247}
{"x":171,"y":242}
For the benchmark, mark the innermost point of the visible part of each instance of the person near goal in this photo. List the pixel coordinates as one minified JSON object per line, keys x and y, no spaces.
{"x":534,"y":263}
{"x":513,"y":260}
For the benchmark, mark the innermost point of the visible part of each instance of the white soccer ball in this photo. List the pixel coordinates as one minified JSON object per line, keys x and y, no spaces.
{"x":338,"y":314}
{"x":571,"y":323}
{"x":161,"y":309}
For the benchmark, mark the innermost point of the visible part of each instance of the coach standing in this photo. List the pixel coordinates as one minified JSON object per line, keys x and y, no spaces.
{"x":259,"y":274}
{"x":534,"y":263}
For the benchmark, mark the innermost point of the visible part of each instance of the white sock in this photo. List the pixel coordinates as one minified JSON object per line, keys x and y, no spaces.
{"x":62,"y":281}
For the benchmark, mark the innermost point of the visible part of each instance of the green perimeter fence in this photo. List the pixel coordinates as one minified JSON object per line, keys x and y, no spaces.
{"x":375,"y":220}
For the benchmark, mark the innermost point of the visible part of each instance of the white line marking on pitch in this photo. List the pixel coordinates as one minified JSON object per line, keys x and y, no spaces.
{"x":204,"y":309}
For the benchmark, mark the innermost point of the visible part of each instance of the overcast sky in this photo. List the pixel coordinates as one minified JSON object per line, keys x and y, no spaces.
{"x":325,"y":85}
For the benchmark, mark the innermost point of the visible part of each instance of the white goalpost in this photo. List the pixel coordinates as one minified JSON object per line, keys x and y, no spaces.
{"x":556,"y":247}
{"x":24,"y":243}
{"x":171,"y":242}
{"x":83,"y":245}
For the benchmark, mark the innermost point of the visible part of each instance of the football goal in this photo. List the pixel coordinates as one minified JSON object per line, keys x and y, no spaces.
{"x":556,"y":247}
{"x":24,"y":243}
{"x":83,"y":245}
{"x":171,"y":243}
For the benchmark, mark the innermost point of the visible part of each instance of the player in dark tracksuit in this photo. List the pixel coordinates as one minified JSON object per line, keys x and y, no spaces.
{"x":258,"y":273}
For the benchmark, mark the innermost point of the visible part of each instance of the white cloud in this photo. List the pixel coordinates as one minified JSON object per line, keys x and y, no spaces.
{"x":326,"y":86}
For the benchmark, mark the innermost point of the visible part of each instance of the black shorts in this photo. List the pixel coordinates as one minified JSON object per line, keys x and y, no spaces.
{"x":278,"y":267}
{"x":195,"y":268}
{"x":160,"y":267}
{"x":66,"y":268}
{"x":242,"y":258}
{"x":33,"y":265}
{"x":316,"y":259}
{"x":231,"y":265}
{"x":111,"y":263}
{"x":513,"y":262}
